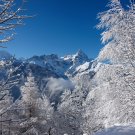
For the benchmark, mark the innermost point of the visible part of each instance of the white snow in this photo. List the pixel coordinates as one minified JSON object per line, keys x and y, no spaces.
{"x":96,"y":66}
{"x":118,"y":130}
{"x":83,"y":67}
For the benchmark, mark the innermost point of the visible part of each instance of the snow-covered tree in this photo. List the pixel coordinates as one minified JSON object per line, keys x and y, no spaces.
{"x":119,"y":33}
{"x":36,"y":108}
{"x":11,"y":15}
{"x":119,"y":36}
{"x":9,"y":79}
{"x":111,"y":99}
{"x":70,"y":112}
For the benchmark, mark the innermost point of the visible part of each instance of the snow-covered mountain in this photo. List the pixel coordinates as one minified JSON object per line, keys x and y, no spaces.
{"x":63,"y":66}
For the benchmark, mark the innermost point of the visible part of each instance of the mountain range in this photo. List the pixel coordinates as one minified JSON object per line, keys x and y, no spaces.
{"x":52,"y":65}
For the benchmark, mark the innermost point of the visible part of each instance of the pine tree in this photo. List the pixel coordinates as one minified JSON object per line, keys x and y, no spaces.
{"x":37,"y":109}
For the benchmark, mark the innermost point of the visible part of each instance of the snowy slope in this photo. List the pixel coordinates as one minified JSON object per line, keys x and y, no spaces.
{"x":118,"y":130}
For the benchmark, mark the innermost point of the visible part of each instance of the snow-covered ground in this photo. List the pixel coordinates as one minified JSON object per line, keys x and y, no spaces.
{"x":118,"y":130}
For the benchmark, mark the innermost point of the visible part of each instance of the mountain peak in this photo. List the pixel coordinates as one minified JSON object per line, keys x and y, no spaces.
{"x":80,"y":57}
{"x":80,"y":53}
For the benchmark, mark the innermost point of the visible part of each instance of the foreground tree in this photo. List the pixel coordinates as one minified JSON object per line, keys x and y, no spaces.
{"x":11,"y":16}
{"x":119,"y":37}
{"x":36,"y":109}
{"x":9,"y":78}
{"x":119,"y":33}
{"x":112,"y":100}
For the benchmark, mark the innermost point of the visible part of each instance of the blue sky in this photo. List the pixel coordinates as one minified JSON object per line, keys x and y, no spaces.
{"x":61,"y":27}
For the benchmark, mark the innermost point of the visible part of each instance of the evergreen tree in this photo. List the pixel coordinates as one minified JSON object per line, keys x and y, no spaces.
{"x":37,"y":109}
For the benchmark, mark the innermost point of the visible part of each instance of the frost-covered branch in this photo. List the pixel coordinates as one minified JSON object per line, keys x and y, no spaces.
{"x":11,"y":16}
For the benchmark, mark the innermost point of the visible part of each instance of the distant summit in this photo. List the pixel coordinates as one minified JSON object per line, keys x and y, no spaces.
{"x":80,"y":53}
